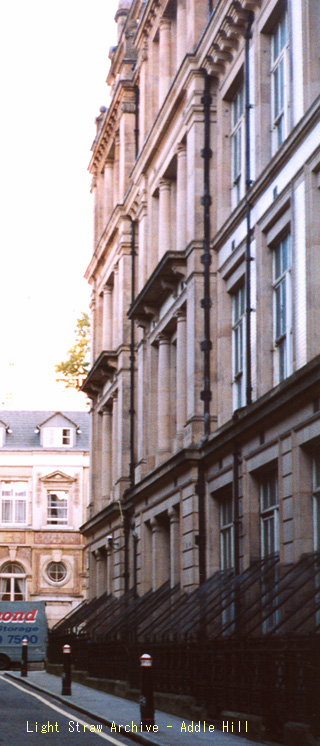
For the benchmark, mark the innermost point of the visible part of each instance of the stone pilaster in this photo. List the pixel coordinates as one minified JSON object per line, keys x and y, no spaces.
{"x":163,"y":397}
{"x":174,"y":547}
{"x":155,"y":552}
{"x":115,"y":175}
{"x":92,"y":327}
{"x":106,"y":455}
{"x":107,"y":318}
{"x":115,"y":310}
{"x":164,"y":217}
{"x":181,"y":30}
{"x":181,"y":377}
{"x":115,"y":438}
{"x":99,"y":571}
{"x":164,"y":58}
{"x":108,"y":189}
{"x":181,"y":224}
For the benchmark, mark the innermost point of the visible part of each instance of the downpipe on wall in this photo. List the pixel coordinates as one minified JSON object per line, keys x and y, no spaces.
{"x":205,"y":345}
{"x":248,"y":106}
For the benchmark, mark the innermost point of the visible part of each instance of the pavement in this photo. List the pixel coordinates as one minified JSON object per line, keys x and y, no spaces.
{"x":115,"y":712}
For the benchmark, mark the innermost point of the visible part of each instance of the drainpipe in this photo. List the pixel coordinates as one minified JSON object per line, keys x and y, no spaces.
{"x":131,"y":410}
{"x":206,"y":345}
{"x":126,"y":529}
{"x":200,"y":490}
{"x":136,"y":127}
{"x":126,"y":519}
{"x":248,"y":36}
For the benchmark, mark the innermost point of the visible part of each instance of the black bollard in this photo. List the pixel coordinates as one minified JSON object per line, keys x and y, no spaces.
{"x":146,"y":695}
{"x":66,"y":675}
{"x":24,"y":658}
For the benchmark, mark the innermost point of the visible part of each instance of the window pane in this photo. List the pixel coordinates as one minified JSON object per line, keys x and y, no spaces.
{"x":269,"y":492}
{"x":20,"y":511}
{"x":281,"y":314}
{"x":57,"y":571}
{"x":6,"y":513}
{"x":57,"y":507}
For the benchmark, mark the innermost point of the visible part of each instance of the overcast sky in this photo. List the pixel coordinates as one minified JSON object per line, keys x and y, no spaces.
{"x":54,"y":63}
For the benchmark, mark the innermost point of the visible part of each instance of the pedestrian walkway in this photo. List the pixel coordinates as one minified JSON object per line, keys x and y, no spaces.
{"x":115,"y":712}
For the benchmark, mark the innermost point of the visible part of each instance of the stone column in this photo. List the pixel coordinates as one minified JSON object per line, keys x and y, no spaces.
{"x":92,"y":327}
{"x":116,"y":180}
{"x":99,"y":325}
{"x":144,"y":104}
{"x":109,"y":569}
{"x":164,"y":217}
{"x":98,"y":206}
{"x":174,"y":547}
{"x":141,"y":400}
{"x":115,"y":438}
{"x":181,"y":224}
{"x":181,"y":376}
{"x":155,"y":553}
{"x":95,"y":460}
{"x":98,"y":555}
{"x":181,"y":30}
{"x":108,"y":189}
{"x":143,"y":245}
{"x":163,"y":396}
{"x":106,"y":455}
{"x":115,"y":335}
{"x":107,"y":318}
{"x":164,"y":58}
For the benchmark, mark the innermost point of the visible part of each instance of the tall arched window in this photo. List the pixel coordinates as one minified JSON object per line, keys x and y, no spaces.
{"x":12,"y":582}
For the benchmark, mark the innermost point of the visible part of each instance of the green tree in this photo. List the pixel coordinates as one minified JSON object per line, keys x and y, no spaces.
{"x":74,"y":370}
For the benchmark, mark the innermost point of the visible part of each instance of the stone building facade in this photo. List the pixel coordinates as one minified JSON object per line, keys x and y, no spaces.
{"x":44,"y":466}
{"x":205,"y":278}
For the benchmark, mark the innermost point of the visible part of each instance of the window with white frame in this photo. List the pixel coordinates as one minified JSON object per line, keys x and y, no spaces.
{"x":57,"y":508}
{"x":57,"y":437}
{"x":14,"y":503}
{"x":57,"y":572}
{"x":238,"y":346}
{"x":279,"y":78}
{"x":226,"y":533}
{"x":282,"y":308}
{"x":12,"y":582}
{"x":316,"y":502}
{"x":237,"y":145}
{"x":269,"y":514}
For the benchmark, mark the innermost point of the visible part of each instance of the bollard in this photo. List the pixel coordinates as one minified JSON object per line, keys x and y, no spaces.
{"x":24,"y":658}
{"x":66,"y":675}
{"x":146,"y":695}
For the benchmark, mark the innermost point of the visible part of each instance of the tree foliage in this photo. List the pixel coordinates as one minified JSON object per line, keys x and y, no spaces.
{"x":74,"y":369}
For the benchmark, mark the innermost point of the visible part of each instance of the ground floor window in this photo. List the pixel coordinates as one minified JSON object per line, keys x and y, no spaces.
{"x":12,"y":582}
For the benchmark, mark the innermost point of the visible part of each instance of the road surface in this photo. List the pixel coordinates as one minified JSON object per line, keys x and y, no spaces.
{"x":32,"y":719}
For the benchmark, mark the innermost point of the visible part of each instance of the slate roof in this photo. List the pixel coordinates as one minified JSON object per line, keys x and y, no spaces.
{"x":24,"y":423}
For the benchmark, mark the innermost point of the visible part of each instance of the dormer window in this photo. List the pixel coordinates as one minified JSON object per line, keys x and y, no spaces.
{"x":57,"y":437}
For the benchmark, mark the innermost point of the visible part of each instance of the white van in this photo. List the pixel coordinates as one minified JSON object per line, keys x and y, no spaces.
{"x":22,"y":620}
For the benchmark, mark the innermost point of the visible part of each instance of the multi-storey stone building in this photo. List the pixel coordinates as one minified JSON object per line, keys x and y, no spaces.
{"x":44,"y":465}
{"x":205,"y":280}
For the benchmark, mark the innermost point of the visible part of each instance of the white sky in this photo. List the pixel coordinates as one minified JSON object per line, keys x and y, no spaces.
{"x":54,"y":63}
